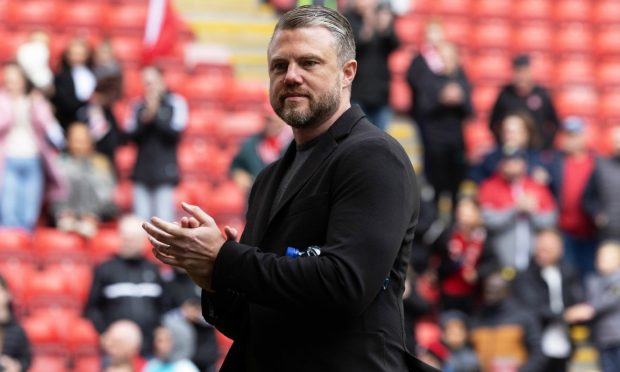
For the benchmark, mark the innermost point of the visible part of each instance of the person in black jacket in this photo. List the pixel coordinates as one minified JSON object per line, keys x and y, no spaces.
{"x":547,"y":288}
{"x":317,"y":279}
{"x":128,"y":286}
{"x":524,"y":94}
{"x":442,"y":103}
{"x":373,"y":28}
{"x":155,"y":125}
{"x":75,"y":82}
{"x":15,"y":354}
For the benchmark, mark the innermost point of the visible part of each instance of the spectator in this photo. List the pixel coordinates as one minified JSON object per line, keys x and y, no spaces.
{"x":603,"y":306}
{"x":569,"y":172}
{"x":184,"y":298}
{"x":121,"y":344}
{"x":260,"y":150}
{"x":514,"y":206}
{"x":27,"y":129}
{"x":90,"y":182}
{"x":601,"y":199}
{"x":75,"y":82}
{"x":15,"y":354}
{"x":517,"y":133}
{"x":155,"y":125}
{"x":524,"y":94}
{"x":547,"y":288}
{"x":34,"y":57}
{"x":455,"y":335}
{"x":414,"y":307}
{"x":174,"y":344}
{"x":98,"y":113}
{"x":464,"y":250}
{"x":505,"y":336}
{"x":372,"y":22}
{"x":128,"y":286}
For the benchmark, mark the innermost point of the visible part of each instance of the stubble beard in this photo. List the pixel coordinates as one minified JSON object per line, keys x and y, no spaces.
{"x":320,"y":108}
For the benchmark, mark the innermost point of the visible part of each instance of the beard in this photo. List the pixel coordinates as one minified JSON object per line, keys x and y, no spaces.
{"x":319,"y":109}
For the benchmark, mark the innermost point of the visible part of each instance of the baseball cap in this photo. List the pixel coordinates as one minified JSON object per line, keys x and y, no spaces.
{"x":573,"y":125}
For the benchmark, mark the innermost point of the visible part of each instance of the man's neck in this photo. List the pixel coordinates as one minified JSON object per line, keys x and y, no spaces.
{"x":304,"y":135}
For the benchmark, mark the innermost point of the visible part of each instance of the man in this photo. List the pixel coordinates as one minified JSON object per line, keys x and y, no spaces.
{"x":506,"y":337}
{"x":121,"y":344}
{"x":570,"y":171}
{"x":601,"y":199}
{"x":547,"y":288}
{"x":514,"y":206}
{"x":373,"y":28}
{"x":155,"y":124}
{"x":343,"y":186}
{"x":524,"y":94}
{"x":127,"y":286}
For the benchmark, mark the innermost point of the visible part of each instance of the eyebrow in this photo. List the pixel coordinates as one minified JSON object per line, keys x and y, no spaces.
{"x":301,"y":57}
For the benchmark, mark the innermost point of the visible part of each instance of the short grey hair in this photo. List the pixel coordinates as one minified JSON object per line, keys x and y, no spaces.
{"x":320,"y":16}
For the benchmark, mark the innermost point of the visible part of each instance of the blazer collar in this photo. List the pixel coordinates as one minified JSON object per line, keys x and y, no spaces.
{"x":325,"y":146}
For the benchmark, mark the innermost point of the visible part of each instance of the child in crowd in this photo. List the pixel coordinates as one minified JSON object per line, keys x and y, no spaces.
{"x":174,"y":346}
{"x":455,"y":335}
{"x":459,"y":268}
{"x":603,"y":306}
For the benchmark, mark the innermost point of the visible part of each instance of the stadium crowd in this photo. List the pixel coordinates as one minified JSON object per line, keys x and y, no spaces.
{"x":512,"y":252}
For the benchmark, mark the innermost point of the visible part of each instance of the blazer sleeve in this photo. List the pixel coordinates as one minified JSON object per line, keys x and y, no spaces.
{"x":372,"y":209}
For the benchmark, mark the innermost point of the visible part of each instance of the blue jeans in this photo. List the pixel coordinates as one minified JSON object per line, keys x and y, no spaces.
{"x":610,"y":359}
{"x":22,"y":192}
{"x":154,"y":201}
{"x":379,"y":116}
{"x":580,"y":253}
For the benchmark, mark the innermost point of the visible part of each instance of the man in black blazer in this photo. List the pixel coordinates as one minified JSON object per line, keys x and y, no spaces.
{"x":343,"y":186}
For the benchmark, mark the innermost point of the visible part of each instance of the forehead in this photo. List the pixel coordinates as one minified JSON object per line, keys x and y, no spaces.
{"x":291,"y":43}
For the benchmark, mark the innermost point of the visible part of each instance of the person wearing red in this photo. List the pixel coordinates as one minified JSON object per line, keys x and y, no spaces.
{"x":514,"y":207}
{"x":464,"y":250}
{"x":570,"y":171}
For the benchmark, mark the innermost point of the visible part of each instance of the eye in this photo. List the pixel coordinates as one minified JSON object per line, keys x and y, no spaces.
{"x":278,"y":67}
{"x":309,"y":63}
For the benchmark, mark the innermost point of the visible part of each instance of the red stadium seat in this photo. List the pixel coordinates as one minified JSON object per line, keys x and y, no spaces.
{"x":127,"y":49}
{"x":82,"y":15}
{"x":491,"y":66}
{"x":88,"y":364}
{"x":532,"y":9}
{"x":247,"y":95}
{"x":227,"y":199}
{"x":485,"y":9}
{"x":49,"y":289}
{"x":400,"y":95}
{"x":17,"y":274}
{"x":208,"y":90}
{"x":77,"y":277}
{"x":49,"y":364}
{"x":575,"y":71}
{"x":51,"y":245}
{"x":610,"y":106}
{"x":123,"y":196}
{"x":531,"y":37}
{"x":103,"y":245}
{"x":606,"y":12}
{"x":543,"y":67}
{"x":83,"y":338}
{"x":127,"y":19}
{"x":484,"y":97}
{"x":10,"y":42}
{"x":239,"y":125}
{"x":608,"y":74}
{"x":478,"y":140}
{"x":580,"y":100}
{"x":453,"y":7}
{"x":400,"y":60}
{"x":574,"y":38}
{"x":176,"y":79}
{"x":457,"y":29}
{"x":607,"y":43}
{"x":32,"y":14}
{"x":202,"y":122}
{"x":132,"y":81}
{"x":572,"y":10}
{"x":125,"y":158}
{"x":492,"y":34}
{"x":408,"y":28}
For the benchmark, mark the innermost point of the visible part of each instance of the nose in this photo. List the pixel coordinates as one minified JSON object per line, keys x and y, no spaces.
{"x":293,"y":75}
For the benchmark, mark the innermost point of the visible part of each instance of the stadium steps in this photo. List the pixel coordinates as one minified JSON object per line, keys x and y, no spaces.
{"x":243,"y":27}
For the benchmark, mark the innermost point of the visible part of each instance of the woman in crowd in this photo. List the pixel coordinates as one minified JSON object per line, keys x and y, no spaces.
{"x":27,"y":131}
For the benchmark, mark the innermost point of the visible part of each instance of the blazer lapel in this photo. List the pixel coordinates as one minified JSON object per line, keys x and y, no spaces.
{"x":322,"y":150}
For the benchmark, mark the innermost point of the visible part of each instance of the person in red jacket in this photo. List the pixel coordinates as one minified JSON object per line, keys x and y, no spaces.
{"x":514,"y":207}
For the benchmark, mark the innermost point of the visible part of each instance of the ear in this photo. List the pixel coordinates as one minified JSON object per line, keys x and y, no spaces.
{"x":349,"y":69}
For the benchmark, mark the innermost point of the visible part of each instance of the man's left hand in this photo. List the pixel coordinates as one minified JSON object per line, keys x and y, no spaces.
{"x":193,"y":248}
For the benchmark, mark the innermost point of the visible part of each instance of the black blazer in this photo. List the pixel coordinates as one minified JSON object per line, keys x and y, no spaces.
{"x":65,"y":98}
{"x":356,"y":197}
